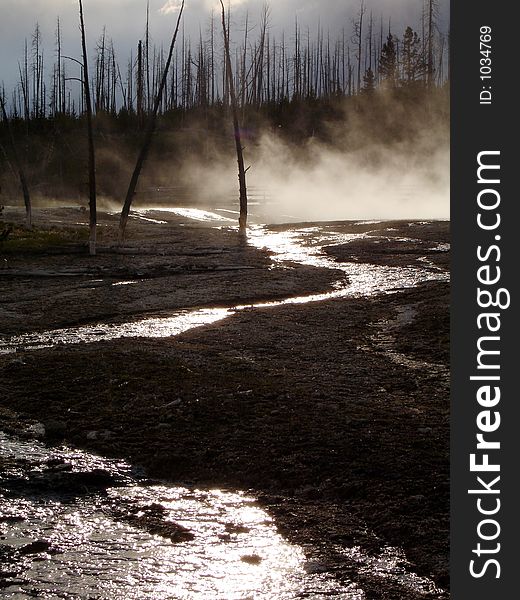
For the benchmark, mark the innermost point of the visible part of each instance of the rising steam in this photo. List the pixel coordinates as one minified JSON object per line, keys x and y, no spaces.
{"x":351,"y":178}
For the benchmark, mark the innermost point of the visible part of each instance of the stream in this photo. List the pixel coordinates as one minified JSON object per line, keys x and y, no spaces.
{"x":66,"y":536}
{"x":301,"y":245}
{"x":76,"y":525}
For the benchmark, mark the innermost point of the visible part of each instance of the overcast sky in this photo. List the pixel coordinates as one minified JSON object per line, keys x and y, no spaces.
{"x":125,"y":21}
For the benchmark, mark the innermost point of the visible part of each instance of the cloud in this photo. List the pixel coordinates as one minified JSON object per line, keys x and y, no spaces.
{"x":170,"y":6}
{"x":125,"y":22}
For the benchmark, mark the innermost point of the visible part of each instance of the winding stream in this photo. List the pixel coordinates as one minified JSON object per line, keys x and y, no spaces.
{"x":89,"y":551}
{"x":63,"y":540}
{"x":59,"y":539}
{"x":298,"y":245}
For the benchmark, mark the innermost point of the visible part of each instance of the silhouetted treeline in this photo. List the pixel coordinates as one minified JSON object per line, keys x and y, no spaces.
{"x":304,"y":63}
{"x":298,"y":86}
{"x":55,"y":148}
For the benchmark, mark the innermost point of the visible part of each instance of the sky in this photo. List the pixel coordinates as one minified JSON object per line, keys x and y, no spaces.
{"x":125,"y":21}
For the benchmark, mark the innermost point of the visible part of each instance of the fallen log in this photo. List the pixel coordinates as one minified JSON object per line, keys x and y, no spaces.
{"x":108,"y":273}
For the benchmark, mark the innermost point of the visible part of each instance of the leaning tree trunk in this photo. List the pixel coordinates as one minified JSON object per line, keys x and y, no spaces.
{"x":91,"y":151}
{"x":148,"y":135}
{"x":19,"y":168}
{"x":238,"y":142}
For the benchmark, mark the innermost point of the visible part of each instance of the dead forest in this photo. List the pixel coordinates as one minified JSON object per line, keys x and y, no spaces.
{"x":256,"y":368}
{"x":294,"y":85}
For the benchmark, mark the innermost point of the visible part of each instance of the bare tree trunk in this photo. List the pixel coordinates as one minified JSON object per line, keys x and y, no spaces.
{"x":370,"y":30}
{"x":58,"y":100}
{"x":260,"y":63}
{"x":140,"y":85}
{"x":243,"y":77}
{"x":238,"y":142}
{"x":360,"y":43}
{"x":175,"y":82}
{"x":147,"y":57}
{"x":212,"y":57}
{"x":26,"y":90}
{"x":148,"y":135}
{"x":99,"y":85}
{"x":282,"y":60}
{"x":35,"y":67}
{"x":296,"y":67}
{"x":91,"y":151}
{"x":432,"y":7}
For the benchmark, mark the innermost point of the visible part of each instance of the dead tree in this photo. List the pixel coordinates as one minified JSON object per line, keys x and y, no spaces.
{"x":57,"y":92}
{"x":19,"y":168}
{"x":212,"y":57}
{"x":243,"y":77}
{"x":147,"y":58}
{"x":36,"y":68}
{"x":259,"y":75}
{"x":238,"y":142}
{"x":150,"y":128}
{"x":358,"y":39}
{"x":90,"y":133}
{"x":432,"y":14}
{"x":24,"y":82}
{"x":140,"y":84}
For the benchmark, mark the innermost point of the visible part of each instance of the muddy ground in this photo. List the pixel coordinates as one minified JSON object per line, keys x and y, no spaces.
{"x":311,"y":407}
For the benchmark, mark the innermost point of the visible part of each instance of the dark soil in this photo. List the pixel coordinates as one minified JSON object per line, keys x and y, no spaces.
{"x":301,"y":404}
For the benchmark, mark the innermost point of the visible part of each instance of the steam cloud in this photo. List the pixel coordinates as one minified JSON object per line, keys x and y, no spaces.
{"x":320,"y":182}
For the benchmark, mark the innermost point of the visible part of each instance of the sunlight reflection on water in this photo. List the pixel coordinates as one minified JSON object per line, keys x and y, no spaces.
{"x":196,"y":214}
{"x":391,"y":565}
{"x":159,"y":327}
{"x":297,"y":245}
{"x":236,"y":552}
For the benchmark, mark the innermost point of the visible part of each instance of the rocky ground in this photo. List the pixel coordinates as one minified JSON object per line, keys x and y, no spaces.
{"x":335,"y":414}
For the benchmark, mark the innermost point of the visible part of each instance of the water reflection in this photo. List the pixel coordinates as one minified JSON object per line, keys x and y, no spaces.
{"x":305,"y":246}
{"x":392,"y":565}
{"x":195,"y":214}
{"x":151,"y":328}
{"x":302,"y":245}
{"x":236,"y":552}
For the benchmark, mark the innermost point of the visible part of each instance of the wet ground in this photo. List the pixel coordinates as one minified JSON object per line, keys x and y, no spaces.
{"x":307,"y":370}
{"x":77,"y":526}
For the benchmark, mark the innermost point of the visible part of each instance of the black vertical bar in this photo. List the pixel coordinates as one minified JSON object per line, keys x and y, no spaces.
{"x":484,"y":120}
